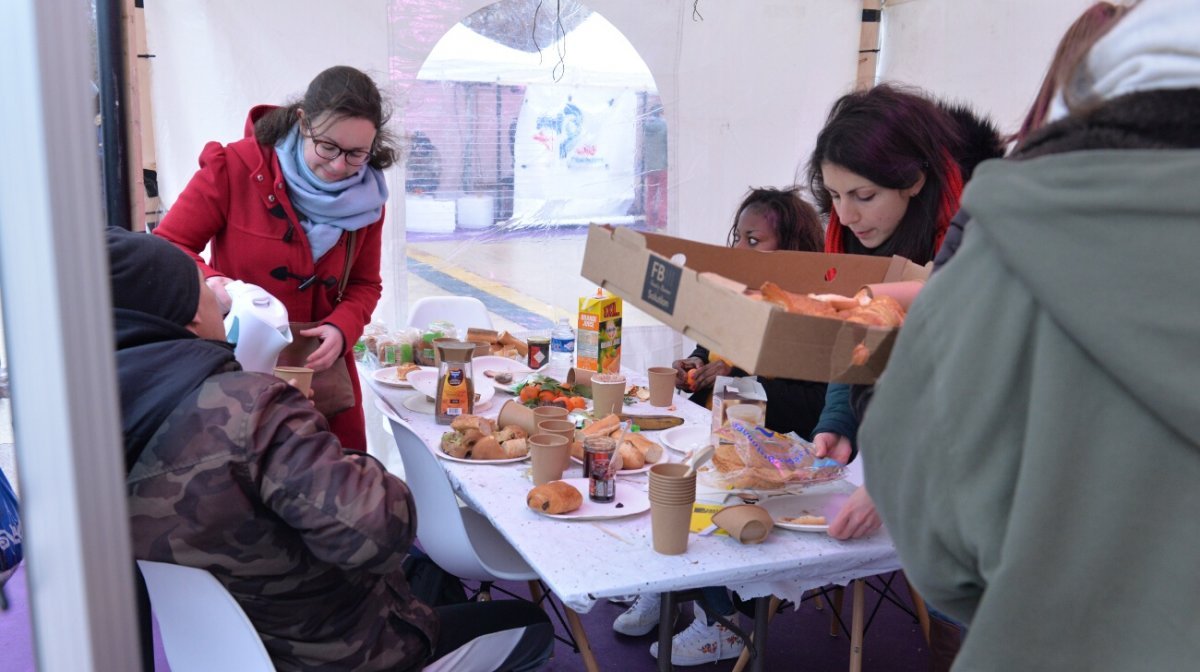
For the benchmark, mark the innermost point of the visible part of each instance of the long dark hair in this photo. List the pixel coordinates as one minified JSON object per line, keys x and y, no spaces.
{"x":797,"y":224}
{"x":341,"y":92}
{"x":891,"y":135}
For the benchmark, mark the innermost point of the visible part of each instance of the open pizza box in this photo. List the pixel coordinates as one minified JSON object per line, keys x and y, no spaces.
{"x":697,"y":289}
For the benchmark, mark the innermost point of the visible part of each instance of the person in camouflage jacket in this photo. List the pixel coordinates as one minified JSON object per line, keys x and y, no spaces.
{"x":236,"y":473}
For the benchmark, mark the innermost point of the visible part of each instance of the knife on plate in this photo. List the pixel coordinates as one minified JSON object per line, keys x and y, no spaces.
{"x":651,"y":423}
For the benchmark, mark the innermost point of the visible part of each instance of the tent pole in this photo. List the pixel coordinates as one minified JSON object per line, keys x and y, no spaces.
{"x":868,"y":44}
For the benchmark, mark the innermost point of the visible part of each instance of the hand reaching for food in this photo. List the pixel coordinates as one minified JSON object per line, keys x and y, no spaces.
{"x":857,"y":518}
{"x":685,"y":372}
{"x":834,"y":446}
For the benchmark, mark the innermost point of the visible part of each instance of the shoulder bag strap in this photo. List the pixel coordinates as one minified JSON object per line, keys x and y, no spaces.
{"x":346,"y":269}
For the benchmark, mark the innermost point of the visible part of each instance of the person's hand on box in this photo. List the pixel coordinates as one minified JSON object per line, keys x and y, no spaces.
{"x":706,"y":375}
{"x":332,"y":345}
{"x":834,"y":446}
{"x":684,"y":369}
{"x":857,"y":518}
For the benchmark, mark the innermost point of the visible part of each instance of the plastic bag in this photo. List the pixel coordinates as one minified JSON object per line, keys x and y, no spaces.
{"x":752,"y":457}
{"x":10,"y":528}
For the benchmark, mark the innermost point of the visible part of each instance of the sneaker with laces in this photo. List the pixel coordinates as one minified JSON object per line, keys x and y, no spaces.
{"x":641,"y":617}
{"x":703,"y":643}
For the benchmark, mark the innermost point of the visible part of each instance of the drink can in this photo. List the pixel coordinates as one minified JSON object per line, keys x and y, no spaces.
{"x":598,"y":452}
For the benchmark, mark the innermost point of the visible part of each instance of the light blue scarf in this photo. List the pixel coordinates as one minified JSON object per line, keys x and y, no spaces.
{"x":326,"y":209}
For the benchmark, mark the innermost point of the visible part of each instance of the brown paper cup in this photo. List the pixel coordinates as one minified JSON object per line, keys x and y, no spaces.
{"x":542,"y":413}
{"x":302,"y":375}
{"x":549,"y":454}
{"x":607,"y":398}
{"x":577,"y":377}
{"x":748,"y":523}
{"x":563,"y":428}
{"x":669,"y":525}
{"x":662,"y":385}
{"x":515,"y":413}
{"x":668,"y":486}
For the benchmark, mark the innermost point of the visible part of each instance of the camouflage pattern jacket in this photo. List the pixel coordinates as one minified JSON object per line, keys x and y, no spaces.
{"x":243,"y":479}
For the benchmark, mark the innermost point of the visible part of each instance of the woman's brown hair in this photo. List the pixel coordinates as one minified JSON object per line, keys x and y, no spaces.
{"x":797,"y":224}
{"x":339,"y":92}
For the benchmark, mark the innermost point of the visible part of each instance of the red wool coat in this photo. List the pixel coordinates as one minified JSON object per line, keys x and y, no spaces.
{"x":238,"y":202}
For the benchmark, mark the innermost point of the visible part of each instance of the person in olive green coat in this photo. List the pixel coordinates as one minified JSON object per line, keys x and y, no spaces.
{"x":1036,"y":435}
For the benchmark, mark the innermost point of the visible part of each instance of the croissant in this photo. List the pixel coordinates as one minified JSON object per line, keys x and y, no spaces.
{"x":882,"y":311}
{"x":554,"y":497}
{"x":801,"y":304}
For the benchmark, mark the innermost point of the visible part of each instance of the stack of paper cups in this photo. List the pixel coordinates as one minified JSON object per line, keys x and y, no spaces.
{"x":671,"y":498}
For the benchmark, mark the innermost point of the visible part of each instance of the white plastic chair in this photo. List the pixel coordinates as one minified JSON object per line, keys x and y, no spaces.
{"x":464,"y":312}
{"x":203,"y":628}
{"x":459,"y":539}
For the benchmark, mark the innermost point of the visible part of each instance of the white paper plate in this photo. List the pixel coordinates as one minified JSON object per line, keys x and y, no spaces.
{"x":388,"y":377}
{"x":438,"y":451}
{"x":685,"y":438}
{"x":420,"y":403}
{"x":826,"y":504}
{"x":425,"y":382}
{"x":495,"y":363}
{"x":631,"y":500}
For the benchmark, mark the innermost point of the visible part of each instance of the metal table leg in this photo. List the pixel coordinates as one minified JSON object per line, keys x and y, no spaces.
{"x":666,"y":623}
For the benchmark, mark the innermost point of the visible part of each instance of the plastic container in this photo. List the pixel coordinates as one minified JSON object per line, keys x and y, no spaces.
{"x":562,"y":343}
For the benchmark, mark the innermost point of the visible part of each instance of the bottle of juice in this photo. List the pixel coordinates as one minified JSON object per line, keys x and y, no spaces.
{"x":456,"y":382}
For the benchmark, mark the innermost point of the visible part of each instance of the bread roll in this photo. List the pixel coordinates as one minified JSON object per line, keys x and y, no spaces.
{"x":651,"y":451}
{"x":631,"y":457}
{"x":603,"y":426}
{"x":464,"y":422}
{"x":510,"y":432}
{"x":515,"y":448}
{"x":488,"y":448}
{"x":554,"y":497}
{"x":577,"y":450}
{"x":452,"y":445}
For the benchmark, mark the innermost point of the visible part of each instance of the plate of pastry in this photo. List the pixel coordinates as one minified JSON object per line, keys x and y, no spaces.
{"x":805,"y":512}
{"x":476,"y":440}
{"x":395,"y":376}
{"x":636,"y":450}
{"x":629,"y":501}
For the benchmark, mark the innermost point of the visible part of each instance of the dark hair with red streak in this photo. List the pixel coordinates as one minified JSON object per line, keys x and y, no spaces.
{"x":797,"y":224}
{"x":340,"y":92}
{"x":891,"y":135}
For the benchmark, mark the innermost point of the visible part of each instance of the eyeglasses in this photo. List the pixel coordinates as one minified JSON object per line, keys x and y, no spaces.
{"x":329,"y":151}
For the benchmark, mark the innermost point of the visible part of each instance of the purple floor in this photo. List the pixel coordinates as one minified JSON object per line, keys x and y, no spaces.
{"x":798,"y":639}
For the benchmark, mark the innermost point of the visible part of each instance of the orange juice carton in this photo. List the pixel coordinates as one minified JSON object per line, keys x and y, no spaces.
{"x":598,"y":340}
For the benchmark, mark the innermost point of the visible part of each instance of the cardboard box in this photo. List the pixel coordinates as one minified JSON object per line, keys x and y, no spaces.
{"x":729,"y":392}
{"x":697,"y":290}
{"x":598,"y":335}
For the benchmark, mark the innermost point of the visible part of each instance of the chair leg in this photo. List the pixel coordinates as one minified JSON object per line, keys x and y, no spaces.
{"x":585,"y":649}
{"x":485,"y":592}
{"x":837,"y":605}
{"x":744,"y":659}
{"x":536,"y":594}
{"x":920,"y":608}
{"x":856,"y":628}
{"x":818,"y":602}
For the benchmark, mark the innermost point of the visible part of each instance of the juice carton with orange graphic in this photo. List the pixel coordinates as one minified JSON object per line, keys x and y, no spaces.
{"x":598,"y":340}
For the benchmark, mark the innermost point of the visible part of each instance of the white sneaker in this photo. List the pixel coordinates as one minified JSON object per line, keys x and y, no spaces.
{"x":641,"y":616}
{"x":703,"y":643}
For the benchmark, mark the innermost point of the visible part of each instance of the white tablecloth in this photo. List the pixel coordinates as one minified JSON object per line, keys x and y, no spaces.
{"x":585,"y":561}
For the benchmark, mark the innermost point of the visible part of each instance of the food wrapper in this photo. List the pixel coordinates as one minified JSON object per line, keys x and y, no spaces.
{"x":752,"y":457}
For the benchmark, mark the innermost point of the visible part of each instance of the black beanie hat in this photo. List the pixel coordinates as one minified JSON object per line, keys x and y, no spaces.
{"x":150,"y":275}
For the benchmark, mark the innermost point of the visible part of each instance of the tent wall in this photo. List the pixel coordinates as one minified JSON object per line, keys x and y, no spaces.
{"x":745,"y":88}
{"x":990,"y":54}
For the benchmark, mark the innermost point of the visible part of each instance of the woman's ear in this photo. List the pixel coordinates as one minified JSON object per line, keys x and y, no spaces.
{"x":917,"y":186}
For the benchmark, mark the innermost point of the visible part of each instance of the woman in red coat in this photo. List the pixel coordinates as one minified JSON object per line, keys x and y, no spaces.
{"x":296,"y":207}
